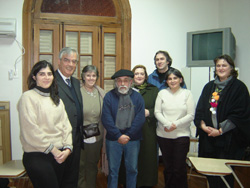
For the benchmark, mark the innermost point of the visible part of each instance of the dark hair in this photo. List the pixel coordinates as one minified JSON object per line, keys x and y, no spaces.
{"x":175,"y":72}
{"x":32,"y":83}
{"x":166,"y":54}
{"x":90,"y":68}
{"x":230,"y":61}
{"x":144,"y":68}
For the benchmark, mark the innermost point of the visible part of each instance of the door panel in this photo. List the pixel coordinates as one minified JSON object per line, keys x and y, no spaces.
{"x":96,"y":45}
{"x":111,"y":55}
{"x":46,"y":43}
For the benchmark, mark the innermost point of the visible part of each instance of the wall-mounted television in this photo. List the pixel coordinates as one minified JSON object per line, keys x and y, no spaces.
{"x":204,"y":46}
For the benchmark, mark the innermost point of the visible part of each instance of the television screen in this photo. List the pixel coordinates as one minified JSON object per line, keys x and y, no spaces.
{"x":204,"y":46}
{"x":207,"y":46}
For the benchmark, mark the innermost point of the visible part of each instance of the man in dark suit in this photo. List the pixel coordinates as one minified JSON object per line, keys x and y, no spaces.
{"x":69,"y":92}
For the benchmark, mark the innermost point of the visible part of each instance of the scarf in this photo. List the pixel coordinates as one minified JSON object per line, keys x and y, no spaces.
{"x":42,"y":91}
{"x":141,"y":87}
{"x":126,"y":113}
{"x":220,"y":85}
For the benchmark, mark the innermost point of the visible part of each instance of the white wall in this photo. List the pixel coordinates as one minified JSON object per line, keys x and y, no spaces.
{"x":163,"y":24}
{"x":236,"y":14}
{"x":156,"y":25}
{"x":11,"y":90}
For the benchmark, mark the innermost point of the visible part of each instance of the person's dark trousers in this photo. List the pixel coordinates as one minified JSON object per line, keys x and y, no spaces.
{"x":4,"y":182}
{"x":71,"y":173}
{"x":174,"y":153}
{"x":43,"y":170}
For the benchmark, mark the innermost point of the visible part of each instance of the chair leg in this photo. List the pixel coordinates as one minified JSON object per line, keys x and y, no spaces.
{"x":190,"y":172}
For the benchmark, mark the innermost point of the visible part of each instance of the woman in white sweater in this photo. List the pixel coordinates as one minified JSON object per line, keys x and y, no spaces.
{"x":45,"y":130}
{"x":174,"y":110}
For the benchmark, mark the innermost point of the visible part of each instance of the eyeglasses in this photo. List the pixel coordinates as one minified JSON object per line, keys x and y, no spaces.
{"x":66,"y":60}
{"x":125,"y":81}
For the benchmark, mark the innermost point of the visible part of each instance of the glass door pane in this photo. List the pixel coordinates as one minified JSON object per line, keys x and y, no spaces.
{"x":109,"y":66}
{"x":86,"y":43}
{"x":72,"y":41}
{"x":46,"y":47}
{"x":46,"y":41}
{"x":111,"y":55}
{"x":109,"y":43}
{"x":85,"y":40}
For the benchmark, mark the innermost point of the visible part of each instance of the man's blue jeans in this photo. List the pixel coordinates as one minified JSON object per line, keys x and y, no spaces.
{"x":114,"y":154}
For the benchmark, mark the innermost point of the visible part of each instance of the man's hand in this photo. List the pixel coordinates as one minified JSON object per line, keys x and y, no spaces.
{"x":124,"y":139}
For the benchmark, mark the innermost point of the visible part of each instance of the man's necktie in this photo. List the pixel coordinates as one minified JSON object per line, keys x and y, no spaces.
{"x":69,"y":82}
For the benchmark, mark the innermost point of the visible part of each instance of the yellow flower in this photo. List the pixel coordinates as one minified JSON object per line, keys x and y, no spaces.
{"x":215,"y":93}
{"x":216,"y":97}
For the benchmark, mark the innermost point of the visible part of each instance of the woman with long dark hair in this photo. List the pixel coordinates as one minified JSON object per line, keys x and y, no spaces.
{"x":45,"y":131}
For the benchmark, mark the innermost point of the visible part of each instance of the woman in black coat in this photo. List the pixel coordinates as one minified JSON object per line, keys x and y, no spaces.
{"x":223,"y":117}
{"x":148,"y":155}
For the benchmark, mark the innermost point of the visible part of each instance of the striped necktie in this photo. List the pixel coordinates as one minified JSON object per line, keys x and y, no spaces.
{"x":69,"y":82}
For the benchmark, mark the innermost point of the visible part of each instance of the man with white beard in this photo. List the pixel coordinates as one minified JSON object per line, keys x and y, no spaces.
{"x":123,"y":116}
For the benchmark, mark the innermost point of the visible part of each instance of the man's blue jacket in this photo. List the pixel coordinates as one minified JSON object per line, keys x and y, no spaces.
{"x":109,"y":111}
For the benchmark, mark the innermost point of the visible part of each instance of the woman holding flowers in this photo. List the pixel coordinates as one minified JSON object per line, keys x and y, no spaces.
{"x":223,"y":117}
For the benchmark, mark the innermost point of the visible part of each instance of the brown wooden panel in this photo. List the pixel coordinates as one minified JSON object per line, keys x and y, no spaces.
{"x":5,"y":131}
{"x":100,"y":13}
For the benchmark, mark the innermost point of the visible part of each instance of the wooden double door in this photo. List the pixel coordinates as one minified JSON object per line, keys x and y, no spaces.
{"x":97,"y":45}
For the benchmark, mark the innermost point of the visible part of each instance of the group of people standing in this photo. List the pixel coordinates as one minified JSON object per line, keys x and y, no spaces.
{"x":65,"y":125}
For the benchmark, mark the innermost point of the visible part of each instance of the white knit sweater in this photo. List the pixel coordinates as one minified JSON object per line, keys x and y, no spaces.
{"x":42,"y":123}
{"x":177,"y":108}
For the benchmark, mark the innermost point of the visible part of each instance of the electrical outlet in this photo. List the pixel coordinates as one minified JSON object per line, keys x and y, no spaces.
{"x":11,"y":76}
{"x":15,"y":74}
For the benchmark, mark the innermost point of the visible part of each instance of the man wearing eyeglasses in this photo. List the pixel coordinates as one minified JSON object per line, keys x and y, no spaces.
{"x":123,"y":116}
{"x":69,"y":92}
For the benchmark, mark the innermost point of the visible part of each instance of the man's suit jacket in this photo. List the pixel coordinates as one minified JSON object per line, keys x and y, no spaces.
{"x":68,"y":100}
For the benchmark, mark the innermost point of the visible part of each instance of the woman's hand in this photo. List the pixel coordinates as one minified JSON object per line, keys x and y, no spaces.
{"x":204,"y":127}
{"x":146,"y":113}
{"x":210,"y":130}
{"x":55,"y":151}
{"x":62,"y":156}
{"x":214,"y":132}
{"x":172,"y":127}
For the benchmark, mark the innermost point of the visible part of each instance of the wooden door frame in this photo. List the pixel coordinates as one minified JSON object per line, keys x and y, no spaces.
{"x":32,"y":14}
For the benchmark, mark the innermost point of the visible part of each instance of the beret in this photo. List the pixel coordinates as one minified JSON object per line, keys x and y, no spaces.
{"x":123,"y":72}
